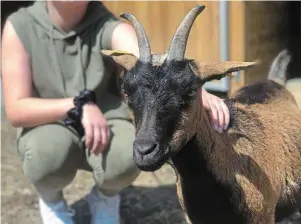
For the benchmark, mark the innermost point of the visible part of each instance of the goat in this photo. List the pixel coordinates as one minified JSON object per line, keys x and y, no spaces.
{"x":243,"y":175}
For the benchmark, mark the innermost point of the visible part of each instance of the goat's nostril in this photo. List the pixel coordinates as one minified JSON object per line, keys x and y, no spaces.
{"x":144,"y":147}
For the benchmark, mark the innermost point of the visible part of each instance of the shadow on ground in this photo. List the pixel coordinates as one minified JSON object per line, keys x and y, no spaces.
{"x":141,"y":205}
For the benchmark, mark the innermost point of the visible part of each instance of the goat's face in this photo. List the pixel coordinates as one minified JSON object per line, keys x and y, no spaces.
{"x":162,"y":91}
{"x":164,"y":102}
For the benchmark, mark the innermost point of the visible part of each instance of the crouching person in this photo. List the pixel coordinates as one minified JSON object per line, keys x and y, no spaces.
{"x":51,"y":65}
{"x":51,"y":52}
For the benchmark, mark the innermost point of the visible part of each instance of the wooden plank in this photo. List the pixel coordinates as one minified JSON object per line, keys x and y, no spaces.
{"x":237,"y":41}
{"x":266,"y":35}
{"x":161,"y":19}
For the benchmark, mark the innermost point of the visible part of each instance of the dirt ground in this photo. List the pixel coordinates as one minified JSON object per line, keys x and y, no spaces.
{"x":150,"y":200}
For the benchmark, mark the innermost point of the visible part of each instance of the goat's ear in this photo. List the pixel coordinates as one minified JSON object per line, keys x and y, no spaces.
{"x":218,"y":70}
{"x":125,"y":59}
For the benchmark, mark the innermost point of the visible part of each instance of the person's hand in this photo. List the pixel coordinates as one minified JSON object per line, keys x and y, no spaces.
{"x":218,"y":111}
{"x":97,"y":131}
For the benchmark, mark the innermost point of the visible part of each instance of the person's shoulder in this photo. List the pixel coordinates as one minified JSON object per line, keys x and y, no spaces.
{"x":22,"y":25}
{"x":19,"y":16}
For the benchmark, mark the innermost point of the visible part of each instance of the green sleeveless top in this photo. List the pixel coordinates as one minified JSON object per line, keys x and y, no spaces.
{"x":65,"y":63}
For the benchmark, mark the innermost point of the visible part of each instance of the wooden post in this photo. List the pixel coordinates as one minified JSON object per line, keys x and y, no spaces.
{"x":237,"y":41}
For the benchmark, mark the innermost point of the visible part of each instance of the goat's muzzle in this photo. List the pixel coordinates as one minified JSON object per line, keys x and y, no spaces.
{"x":149,"y":155}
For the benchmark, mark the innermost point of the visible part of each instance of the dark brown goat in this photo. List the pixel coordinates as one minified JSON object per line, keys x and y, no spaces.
{"x":241,"y":176}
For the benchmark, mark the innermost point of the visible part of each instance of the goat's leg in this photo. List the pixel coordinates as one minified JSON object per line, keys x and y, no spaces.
{"x":180,"y":198}
{"x":187,"y":219}
{"x":299,"y":200}
{"x":264,"y":217}
{"x":270,"y":219}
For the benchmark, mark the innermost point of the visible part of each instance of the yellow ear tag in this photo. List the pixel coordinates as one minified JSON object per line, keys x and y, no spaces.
{"x":115,"y":52}
{"x":231,"y":74}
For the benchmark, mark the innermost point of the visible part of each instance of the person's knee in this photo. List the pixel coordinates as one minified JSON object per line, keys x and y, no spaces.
{"x":49,"y":150}
{"x":120,"y":169}
{"x":120,"y":179}
{"x":50,"y":187}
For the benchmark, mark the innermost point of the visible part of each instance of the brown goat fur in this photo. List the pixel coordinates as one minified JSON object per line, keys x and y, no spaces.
{"x":245,"y":175}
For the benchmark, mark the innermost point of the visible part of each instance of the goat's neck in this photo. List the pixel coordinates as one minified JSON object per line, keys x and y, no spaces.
{"x":201,"y":149}
{"x":203,"y":166}
{"x":206,"y":135}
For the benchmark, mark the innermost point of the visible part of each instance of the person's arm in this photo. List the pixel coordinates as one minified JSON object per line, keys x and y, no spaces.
{"x":124,"y":38}
{"x":21,"y":108}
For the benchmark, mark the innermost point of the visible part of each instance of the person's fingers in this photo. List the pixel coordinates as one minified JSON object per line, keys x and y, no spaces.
{"x":104,"y":138}
{"x":220,"y":115}
{"x":226,"y":114}
{"x":206,"y":103}
{"x":97,"y":141}
{"x":108,"y":133}
{"x":218,"y":112}
{"x":88,"y":134}
{"x":213,"y":115}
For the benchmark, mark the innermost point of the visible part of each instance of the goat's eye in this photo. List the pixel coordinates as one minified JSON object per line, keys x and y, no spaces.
{"x":187,"y":98}
{"x":191,"y":94}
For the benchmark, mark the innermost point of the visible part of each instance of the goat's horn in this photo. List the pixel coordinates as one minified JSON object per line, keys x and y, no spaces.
{"x":143,"y":43}
{"x":177,"y":47}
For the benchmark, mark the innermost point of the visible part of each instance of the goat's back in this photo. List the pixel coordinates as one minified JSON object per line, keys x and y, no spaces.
{"x":267,"y":128}
{"x":268,"y":117}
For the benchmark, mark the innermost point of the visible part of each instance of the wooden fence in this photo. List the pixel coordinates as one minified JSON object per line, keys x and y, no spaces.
{"x":161,"y":19}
